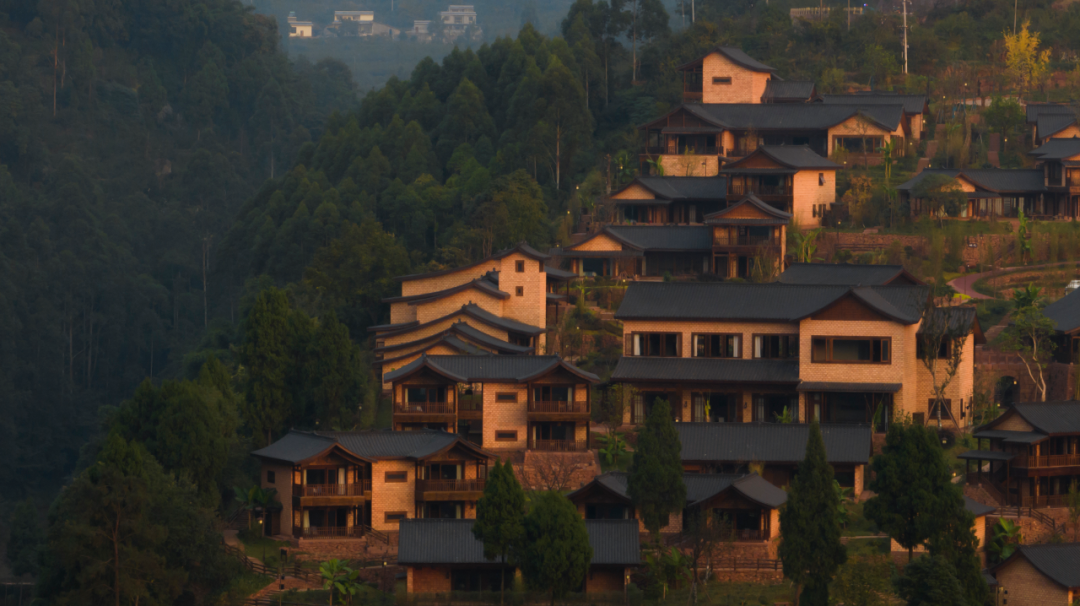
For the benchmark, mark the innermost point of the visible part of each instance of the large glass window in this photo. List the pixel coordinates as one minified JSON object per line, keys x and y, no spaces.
{"x":717,"y":346}
{"x":851,"y":350}
{"x":418,"y":395}
{"x":655,"y":344}
{"x":776,"y":346}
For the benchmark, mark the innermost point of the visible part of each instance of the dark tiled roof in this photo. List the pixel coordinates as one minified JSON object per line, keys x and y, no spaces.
{"x":959,"y":318}
{"x":798,"y":156}
{"x":976,"y":508}
{"x":761,"y":302}
{"x":686,"y":188}
{"x":522,"y":248}
{"x":788,"y":89}
{"x":297,"y":446}
{"x":1012,"y":437}
{"x":504,"y":323}
{"x":1051,"y":417}
{"x":736,"y":55}
{"x":294,"y":447}
{"x":770,"y":442}
{"x":761,"y":490}
{"x":990,"y":179}
{"x":986,"y":455}
{"x":826,"y":274}
{"x":559,"y":274}
{"x":462,"y":346}
{"x":485,"y":339}
{"x":470,"y":369}
{"x":1057,"y":149}
{"x":721,"y":217}
{"x":439,"y":541}
{"x":792,"y":116}
{"x":1034,"y":110}
{"x":1065,"y":312}
{"x":701,"y":487}
{"x":1061,"y":562}
{"x":481,"y":284}
{"x":664,"y":237}
{"x":614,"y":542}
{"x":850,"y":387}
{"x":707,"y":370}
{"x":913,"y":104}
{"x":1049,"y":125}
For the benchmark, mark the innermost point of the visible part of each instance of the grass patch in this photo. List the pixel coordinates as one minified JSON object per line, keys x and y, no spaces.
{"x":242,"y":586}
{"x":622,"y":463}
{"x":262,"y":548}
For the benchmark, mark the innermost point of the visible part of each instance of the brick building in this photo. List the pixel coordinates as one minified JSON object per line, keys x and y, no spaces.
{"x":349,"y":485}
{"x":840,"y":353}
{"x":1051,"y":121}
{"x":745,"y":506}
{"x":790,"y":178}
{"x":498,"y":402}
{"x":498,"y":305}
{"x":990,"y":192}
{"x":669,"y":199}
{"x":1039,"y":575}
{"x":443,"y":555}
{"x":1030,"y":455}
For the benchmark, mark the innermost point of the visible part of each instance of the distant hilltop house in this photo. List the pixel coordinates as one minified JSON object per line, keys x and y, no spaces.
{"x":457,"y":20}
{"x":360,"y":23}
{"x":421,"y":31}
{"x":299,"y":29}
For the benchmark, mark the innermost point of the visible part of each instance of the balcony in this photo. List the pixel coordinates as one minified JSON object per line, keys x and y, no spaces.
{"x":558,"y":445}
{"x":1030,"y":462}
{"x":692,"y":96}
{"x":471,"y":406}
{"x":449,"y":490}
{"x":722,"y":241}
{"x":424,"y":412}
{"x":328,"y":495}
{"x":558,"y":411}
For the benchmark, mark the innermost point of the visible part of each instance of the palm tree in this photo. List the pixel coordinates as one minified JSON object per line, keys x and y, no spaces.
{"x":337,"y":576}
{"x":256,"y":499}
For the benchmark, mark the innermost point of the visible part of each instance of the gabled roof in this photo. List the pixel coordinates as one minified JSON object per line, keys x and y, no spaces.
{"x":706,"y":370}
{"x":1049,"y":125}
{"x":770,"y":442}
{"x":735,"y":55}
{"x":1058,"y":562}
{"x":522,"y":248}
{"x":771,"y":302}
{"x":682,"y":188}
{"x":700,"y":487}
{"x":1034,"y":110}
{"x":1051,"y":418}
{"x":976,"y":508}
{"x":559,"y":275}
{"x":451,"y":542}
{"x":791,"y":116}
{"x":824,"y":274}
{"x":796,"y":157}
{"x":962,"y":318}
{"x":775,"y":216}
{"x":299,"y":446}
{"x":997,"y":180}
{"x":788,"y":90}
{"x":912,"y":104}
{"x":483,"y":285}
{"x":488,"y":368}
{"x":473,"y":311}
{"x":1065,"y":312}
{"x":461,"y":336}
{"x":652,"y":238}
{"x":1057,"y":149}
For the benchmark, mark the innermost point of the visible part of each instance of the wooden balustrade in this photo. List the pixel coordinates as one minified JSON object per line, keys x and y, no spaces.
{"x":558,"y":445}
{"x":332,"y":531}
{"x":1048,"y":461}
{"x":450,"y":485}
{"x":471,"y":403}
{"x":438,"y":408}
{"x":561,"y":406}
{"x":330,"y":490}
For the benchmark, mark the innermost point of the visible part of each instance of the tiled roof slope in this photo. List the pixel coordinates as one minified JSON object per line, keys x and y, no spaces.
{"x":992,"y":179}
{"x":614,"y":542}
{"x":1060,"y":562}
{"x":770,"y":442}
{"x":788,"y":89}
{"x":1065,"y":312}
{"x":804,"y":116}
{"x":1057,"y":149}
{"x":1051,"y":417}
{"x":1034,"y":110}
{"x":703,"y":486}
{"x":493,"y":368}
{"x":686,"y":188}
{"x":297,"y":446}
{"x":838,"y":274}
{"x":912,"y":104}
{"x":665,"y":237}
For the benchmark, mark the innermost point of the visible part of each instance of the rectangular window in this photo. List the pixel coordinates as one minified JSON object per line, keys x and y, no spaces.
{"x":519,"y":267}
{"x":776,"y":347}
{"x":394,"y":516}
{"x":946,"y":409}
{"x":271,"y":477}
{"x":506,"y":436}
{"x":656,"y":344}
{"x":721,"y":80}
{"x":553,"y":393}
{"x":717,"y":346}
{"x":397,"y":477}
{"x":519,"y":291}
{"x":942,"y":353}
{"x":419,"y":395}
{"x":506,"y":397}
{"x":821,"y":178}
{"x":848,"y":350}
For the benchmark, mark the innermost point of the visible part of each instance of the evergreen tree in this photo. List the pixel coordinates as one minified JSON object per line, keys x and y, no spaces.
{"x":337,"y":373}
{"x":811,"y":550}
{"x":500,"y":515}
{"x":930,"y":581}
{"x":655,"y":483}
{"x":265,"y":356}
{"x":556,"y":551}
{"x":905,"y":484}
{"x":466,"y":119}
{"x":25,"y":539}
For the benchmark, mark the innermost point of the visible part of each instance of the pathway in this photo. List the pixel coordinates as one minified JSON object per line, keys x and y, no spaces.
{"x":290,"y":582}
{"x":965,"y":283}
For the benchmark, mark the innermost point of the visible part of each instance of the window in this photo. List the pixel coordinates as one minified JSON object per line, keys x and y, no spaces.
{"x":519,"y":267}
{"x":271,"y":477}
{"x":553,"y":393}
{"x":417,"y":395}
{"x":397,"y":477}
{"x":519,"y":291}
{"x":946,"y":409}
{"x":821,"y":178}
{"x":721,"y":80}
{"x":717,"y":346}
{"x":506,"y":436}
{"x":655,"y":344}
{"x":506,"y":397}
{"x":394,"y":516}
{"x":858,"y":145}
{"x":850,"y":351}
{"x":776,"y":347}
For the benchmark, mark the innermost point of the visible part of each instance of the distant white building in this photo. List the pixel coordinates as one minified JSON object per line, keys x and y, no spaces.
{"x":365,"y":25}
{"x":299,"y":29}
{"x":458,"y":19}
{"x":362,"y":16}
{"x":421,"y":30}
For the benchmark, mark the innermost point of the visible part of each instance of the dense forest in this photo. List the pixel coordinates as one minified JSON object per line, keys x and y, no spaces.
{"x":196,"y":232}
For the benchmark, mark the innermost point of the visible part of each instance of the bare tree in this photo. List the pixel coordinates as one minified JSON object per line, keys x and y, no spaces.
{"x":943,"y":331}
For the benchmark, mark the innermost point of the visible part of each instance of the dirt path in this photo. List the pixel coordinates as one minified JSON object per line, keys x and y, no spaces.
{"x":965,"y":284}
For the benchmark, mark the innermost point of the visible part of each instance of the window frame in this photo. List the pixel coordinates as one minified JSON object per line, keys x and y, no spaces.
{"x":391,"y":517}
{"x":391,"y":477}
{"x":828,"y":350}
{"x":645,"y":340}
{"x":429,"y":387}
{"x":506,"y":435}
{"x":791,"y":338}
{"x":725,"y":80}
{"x":519,"y":266}
{"x":271,"y":477}
{"x":723,"y":335}
{"x":506,"y":397}
{"x":519,"y":291}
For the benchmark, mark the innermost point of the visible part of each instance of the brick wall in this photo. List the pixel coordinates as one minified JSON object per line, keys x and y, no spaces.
{"x":858,"y":127}
{"x":283,"y":477}
{"x":959,"y":391}
{"x":438,"y":308}
{"x":505,"y":416}
{"x":634,"y":191}
{"x":450,"y":280}
{"x":427,"y":579}
{"x":604,"y":580}
{"x":531,"y":307}
{"x":1029,"y":587}
{"x":689,"y":165}
{"x":808,"y":192}
{"x":392,"y":496}
{"x":746,"y":86}
{"x":402,"y":312}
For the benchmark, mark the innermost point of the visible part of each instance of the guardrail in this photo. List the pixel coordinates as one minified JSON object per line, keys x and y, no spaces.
{"x":352,"y":489}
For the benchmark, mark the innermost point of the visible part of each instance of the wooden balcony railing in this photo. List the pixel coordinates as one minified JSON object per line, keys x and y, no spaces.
{"x":424,"y":408}
{"x":744,"y":534}
{"x":722,"y":240}
{"x":536,"y":406}
{"x":1048,"y":461}
{"x":738,"y":189}
{"x":473,"y":403}
{"x":692,"y":96}
{"x":330,"y":490}
{"x":450,"y":485}
{"x":558,"y":445}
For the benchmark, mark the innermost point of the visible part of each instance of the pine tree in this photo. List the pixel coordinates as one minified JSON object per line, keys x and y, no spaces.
{"x":811,"y":550}
{"x":337,"y":376}
{"x":557,"y":553}
{"x":656,"y":478}
{"x":265,"y":357}
{"x":930,"y":581}
{"x":500,"y":515}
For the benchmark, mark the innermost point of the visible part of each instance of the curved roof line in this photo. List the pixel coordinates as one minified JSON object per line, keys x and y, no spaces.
{"x":559,"y":362}
{"x":735,"y":55}
{"x":479,"y":284}
{"x":521,"y":247}
{"x":754,"y":201}
{"x":473,"y":311}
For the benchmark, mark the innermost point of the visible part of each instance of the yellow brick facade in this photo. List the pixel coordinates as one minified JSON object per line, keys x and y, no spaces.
{"x":746,"y":86}
{"x":1069,"y":133}
{"x":1029,"y":587}
{"x":808,"y":192}
{"x":690,"y":165}
{"x":634,"y":191}
{"x":429,"y":312}
{"x":505,"y":416}
{"x":392,"y":496}
{"x":283,"y":483}
{"x":598,"y":242}
{"x":857,"y":126}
